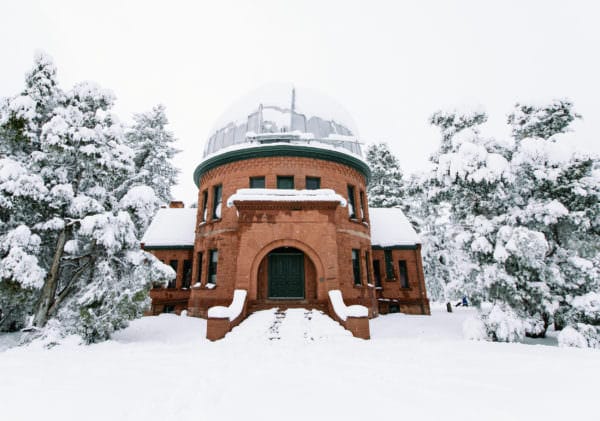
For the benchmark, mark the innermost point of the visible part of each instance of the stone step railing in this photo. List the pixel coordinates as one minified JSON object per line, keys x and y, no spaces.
{"x":355,"y":318}
{"x":222,"y":319}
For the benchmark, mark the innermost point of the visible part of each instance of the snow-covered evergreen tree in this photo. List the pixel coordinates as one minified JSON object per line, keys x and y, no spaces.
{"x":24,"y":197}
{"x":385,"y":189}
{"x":541,"y":120}
{"x":153,"y":147}
{"x":529,"y":213}
{"x":464,"y":173}
{"x":68,"y":228}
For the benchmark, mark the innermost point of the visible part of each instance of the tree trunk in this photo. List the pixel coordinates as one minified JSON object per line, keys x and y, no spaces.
{"x":51,"y":282}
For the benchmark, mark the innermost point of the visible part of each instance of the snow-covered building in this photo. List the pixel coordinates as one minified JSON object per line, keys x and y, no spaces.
{"x":282,"y":221}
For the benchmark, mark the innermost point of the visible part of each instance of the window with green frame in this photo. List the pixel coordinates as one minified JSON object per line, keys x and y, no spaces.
{"x":367,"y":260}
{"x":217,"y":201}
{"x":377,"y":273}
{"x":313,"y":183}
{"x":285,"y":182}
{"x":351,"y":202}
{"x":187,"y":274}
{"x":172,"y":282}
{"x":257,"y":182}
{"x":389,"y":265}
{"x":356,"y":266}
{"x":403,"y":274}
{"x":204,"y":205}
{"x":212,"y":267}
{"x":199,"y":263}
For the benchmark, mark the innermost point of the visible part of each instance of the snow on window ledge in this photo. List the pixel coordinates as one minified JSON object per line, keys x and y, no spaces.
{"x":342,"y":310}
{"x":286,"y":195}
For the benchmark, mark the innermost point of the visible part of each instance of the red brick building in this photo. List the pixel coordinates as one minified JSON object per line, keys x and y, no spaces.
{"x":282,"y":216}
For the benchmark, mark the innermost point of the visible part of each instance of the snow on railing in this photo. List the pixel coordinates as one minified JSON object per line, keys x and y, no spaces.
{"x":234,"y":310}
{"x":342,"y":310}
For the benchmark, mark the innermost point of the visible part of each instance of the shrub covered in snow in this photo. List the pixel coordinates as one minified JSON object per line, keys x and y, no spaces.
{"x":581,"y":336}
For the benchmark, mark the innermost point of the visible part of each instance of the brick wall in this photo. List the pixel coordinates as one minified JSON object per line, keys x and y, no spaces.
{"x":323,"y":231}
{"x":246,"y":233}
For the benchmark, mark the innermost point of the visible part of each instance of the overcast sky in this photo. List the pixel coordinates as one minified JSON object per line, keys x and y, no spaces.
{"x":391,"y":64}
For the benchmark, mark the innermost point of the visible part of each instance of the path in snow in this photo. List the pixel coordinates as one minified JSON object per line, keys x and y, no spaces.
{"x":295,"y":324}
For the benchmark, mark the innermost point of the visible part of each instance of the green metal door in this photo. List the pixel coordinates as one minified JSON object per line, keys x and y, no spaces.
{"x":286,"y":276}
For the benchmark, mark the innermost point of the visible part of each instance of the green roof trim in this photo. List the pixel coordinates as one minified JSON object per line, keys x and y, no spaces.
{"x":396,"y":247}
{"x":145,"y":247}
{"x":281,"y":150}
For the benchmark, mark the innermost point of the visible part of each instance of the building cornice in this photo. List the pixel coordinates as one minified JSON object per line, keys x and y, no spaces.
{"x":266,"y":151}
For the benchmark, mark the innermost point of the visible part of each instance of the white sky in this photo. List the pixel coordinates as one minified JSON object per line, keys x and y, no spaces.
{"x":391,"y":64}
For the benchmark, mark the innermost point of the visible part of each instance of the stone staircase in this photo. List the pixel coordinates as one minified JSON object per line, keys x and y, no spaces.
{"x":257,"y":305}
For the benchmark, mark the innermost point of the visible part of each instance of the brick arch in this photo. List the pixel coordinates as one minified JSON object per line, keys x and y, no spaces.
{"x":288,"y":242}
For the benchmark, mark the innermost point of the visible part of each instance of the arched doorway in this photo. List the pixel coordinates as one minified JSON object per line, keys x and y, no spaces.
{"x":285,"y":274}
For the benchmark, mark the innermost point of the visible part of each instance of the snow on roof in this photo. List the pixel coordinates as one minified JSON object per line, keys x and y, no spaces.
{"x":285,"y":195}
{"x":336,"y":143}
{"x":390,"y":227}
{"x":171,"y":227}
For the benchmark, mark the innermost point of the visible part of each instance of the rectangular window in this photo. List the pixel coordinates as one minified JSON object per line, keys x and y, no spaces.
{"x":394,"y":308}
{"x":204,"y":205}
{"x":313,"y":183}
{"x":257,"y":182}
{"x":377,"y":273}
{"x":389,"y":266}
{"x":367,"y":259}
{"x":363,"y":216}
{"x":403,"y":274}
{"x":212,"y":267}
{"x":168,"y":309}
{"x":356,"y":266}
{"x":187,"y":274}
{"x":285,"y":182}
{"x":173,"y":264}
{"x":351,"y":209}
{"x":199,"y":263}
{"x":217,"y":201}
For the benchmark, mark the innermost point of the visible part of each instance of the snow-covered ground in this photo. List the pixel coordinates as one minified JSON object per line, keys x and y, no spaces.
{"x":298,"y":365}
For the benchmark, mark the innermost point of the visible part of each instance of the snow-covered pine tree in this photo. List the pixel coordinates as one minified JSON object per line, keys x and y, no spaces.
{"x":453,"y":121}
{"x":153,"y":147}
{"x":441,"y":264}
{"x":465,"y":172}
{"x":530,"y":226}
{"x":385,"y":189}
{"x":557,"y":192}
{"x":24,"y":197}
{"x":541,"y":120}
{"x":66,"y":170}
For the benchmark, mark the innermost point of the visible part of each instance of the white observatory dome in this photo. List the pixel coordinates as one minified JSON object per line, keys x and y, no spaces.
{"x":281,"y":113}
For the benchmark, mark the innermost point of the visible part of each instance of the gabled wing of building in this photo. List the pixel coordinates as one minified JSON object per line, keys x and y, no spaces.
{"x":171,"y":228}
{"x":391,"y":228}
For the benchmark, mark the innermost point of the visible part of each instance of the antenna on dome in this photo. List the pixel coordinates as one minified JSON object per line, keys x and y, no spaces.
{"x":293,"y":108}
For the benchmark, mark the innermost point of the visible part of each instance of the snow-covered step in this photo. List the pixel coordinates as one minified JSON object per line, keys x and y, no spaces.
{"x":294,"y":324}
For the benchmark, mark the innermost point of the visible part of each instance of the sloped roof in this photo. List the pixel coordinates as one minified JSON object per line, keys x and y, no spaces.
{"x":171,"y":227}
{"x":390,"y":227}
